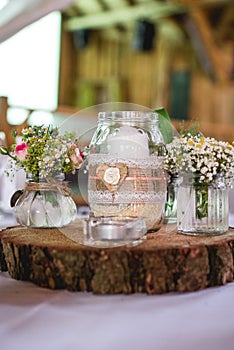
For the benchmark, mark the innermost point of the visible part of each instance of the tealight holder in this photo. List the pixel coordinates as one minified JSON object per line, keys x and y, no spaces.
{"x":110,"y":232}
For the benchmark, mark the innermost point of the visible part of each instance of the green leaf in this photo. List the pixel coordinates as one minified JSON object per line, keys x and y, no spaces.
{"x":4,"y":150}
{"x":165,"y":125}
{"x":14,"y":134}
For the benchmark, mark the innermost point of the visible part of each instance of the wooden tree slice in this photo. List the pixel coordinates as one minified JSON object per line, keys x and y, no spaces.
{"x":165,"y":262}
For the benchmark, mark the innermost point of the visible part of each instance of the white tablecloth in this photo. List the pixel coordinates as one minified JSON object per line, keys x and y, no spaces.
{"x":35,"y":318}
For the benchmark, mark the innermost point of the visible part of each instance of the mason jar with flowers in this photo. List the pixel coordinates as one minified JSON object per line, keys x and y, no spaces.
{"x":205,"y":166}
{"x":45,"y":156}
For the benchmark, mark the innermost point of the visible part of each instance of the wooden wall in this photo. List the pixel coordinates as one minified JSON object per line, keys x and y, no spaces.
{"x":109,"y":70}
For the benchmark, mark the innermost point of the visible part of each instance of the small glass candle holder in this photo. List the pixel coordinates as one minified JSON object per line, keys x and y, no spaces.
{"x":110,"y":232}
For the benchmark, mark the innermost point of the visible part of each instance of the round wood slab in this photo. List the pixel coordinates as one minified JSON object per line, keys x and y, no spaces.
{"x":166,"y":261}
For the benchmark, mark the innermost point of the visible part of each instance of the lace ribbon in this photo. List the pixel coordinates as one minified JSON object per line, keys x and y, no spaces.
{"x":49,"y":185}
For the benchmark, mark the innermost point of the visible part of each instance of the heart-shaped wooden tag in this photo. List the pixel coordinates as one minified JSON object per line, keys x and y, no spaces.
{"x":112,"y":176}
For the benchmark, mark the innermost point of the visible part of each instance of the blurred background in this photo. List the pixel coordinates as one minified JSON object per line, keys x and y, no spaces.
{"x":58,"y":57}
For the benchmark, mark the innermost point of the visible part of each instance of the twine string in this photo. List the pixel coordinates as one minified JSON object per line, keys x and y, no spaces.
{"x":49,"y":184}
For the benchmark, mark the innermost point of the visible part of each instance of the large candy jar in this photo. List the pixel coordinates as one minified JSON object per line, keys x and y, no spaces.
{"x":126,"y":176}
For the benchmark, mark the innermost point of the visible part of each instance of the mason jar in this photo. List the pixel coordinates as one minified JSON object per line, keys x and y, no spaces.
{"x":125,"y":167}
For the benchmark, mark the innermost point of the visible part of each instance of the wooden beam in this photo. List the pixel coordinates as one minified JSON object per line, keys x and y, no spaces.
{"x":115,"y":4}
{"x":144,"y":9}
{"x":67,"y":69}
{"x":151,"y":10}
{"x":90,"y":6}
{"x":225,"y":27}
{"x":213,"y":54}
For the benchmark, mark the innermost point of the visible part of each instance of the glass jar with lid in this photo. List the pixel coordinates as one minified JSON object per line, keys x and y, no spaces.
{"x":125,"y":165}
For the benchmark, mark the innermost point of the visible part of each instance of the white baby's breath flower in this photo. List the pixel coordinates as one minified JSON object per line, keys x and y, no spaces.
{"x":204,"y":170}
{"x":200,"y":155}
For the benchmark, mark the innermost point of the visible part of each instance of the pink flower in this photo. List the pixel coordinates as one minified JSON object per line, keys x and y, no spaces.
{"x":76,"y":157}
{"x":21,"y":151}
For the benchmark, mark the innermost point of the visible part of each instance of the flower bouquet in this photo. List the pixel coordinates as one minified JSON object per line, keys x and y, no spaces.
{"x":206,"y":169}
{"x":45,"y":156}
{"x":42,"y":152}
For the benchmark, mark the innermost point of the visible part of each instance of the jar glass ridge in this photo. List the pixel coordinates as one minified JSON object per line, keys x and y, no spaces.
{"x":203,"y":208}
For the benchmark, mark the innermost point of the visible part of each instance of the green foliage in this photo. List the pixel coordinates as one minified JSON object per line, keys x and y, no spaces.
{"x":165,"y":125}
{"x":189,"y":130}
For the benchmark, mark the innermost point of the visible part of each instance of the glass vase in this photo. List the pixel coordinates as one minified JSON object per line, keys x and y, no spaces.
{"x":202,"y":208}
{"x":45,"y":203}
{"x":126,"y":171}
{"x":170,"y":214}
